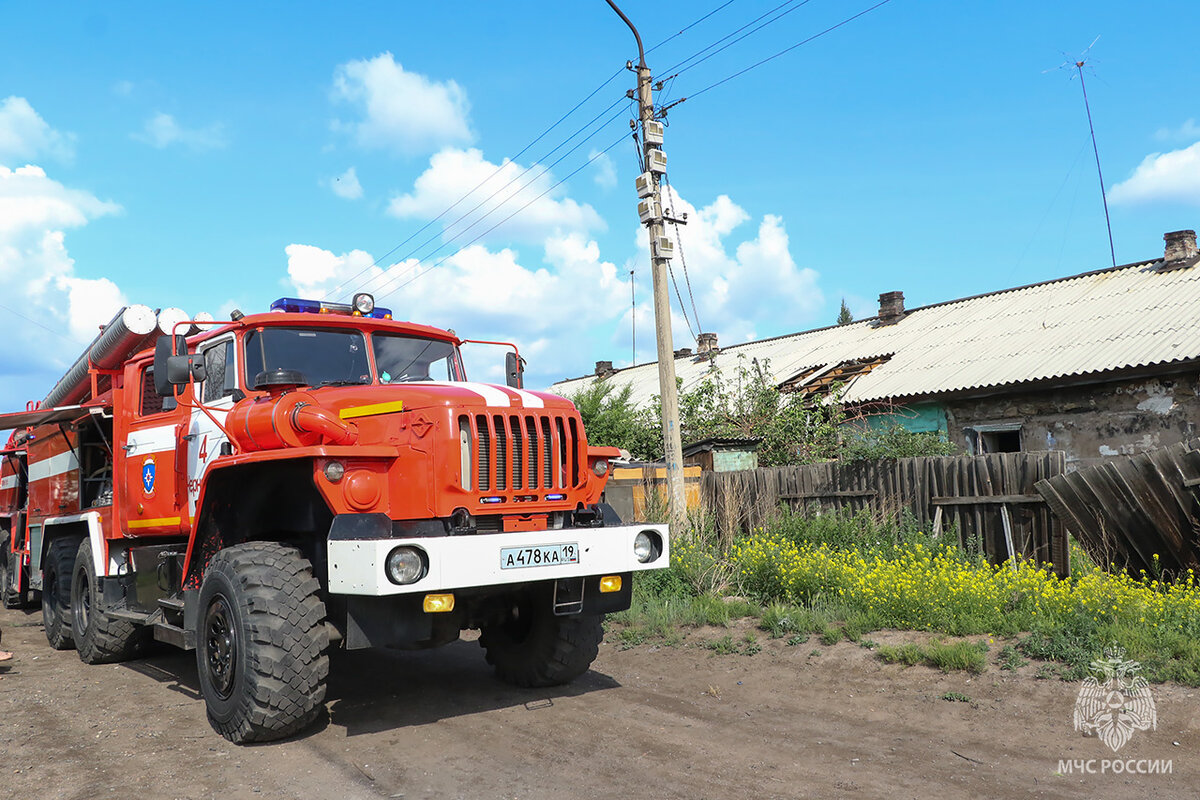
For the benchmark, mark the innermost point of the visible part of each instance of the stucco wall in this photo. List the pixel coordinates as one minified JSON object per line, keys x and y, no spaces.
{"x":1093,"y":421}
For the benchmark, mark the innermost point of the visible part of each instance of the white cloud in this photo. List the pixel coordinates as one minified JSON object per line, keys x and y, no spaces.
{"x":742,"y":290}
{"x":571,"y":300}
{"x":484,"y":294}
{"x":604,"y":171}
{"x":1189,"y":131}
{"x":315,"y":272}
{"x":163,"y":130}
{"x":49,"y":312}
{"x":401,"y":111}
{"x":496,"y":190}
{"x":571,"y":306}
{"x":346,"y":185}
{"x":32,"y":202}
{"x":1169,"y":177}
{"x":25,"y":135}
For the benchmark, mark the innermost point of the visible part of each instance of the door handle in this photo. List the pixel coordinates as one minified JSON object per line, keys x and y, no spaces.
{"x":129,"y":448}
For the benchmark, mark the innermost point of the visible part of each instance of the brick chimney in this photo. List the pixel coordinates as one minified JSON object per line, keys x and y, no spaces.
{"x":683,"y":352}
{"x":891,"y":308}
{"x":604,"y":369}
{"x":1180,"y":250}
{"x":706,"y":344}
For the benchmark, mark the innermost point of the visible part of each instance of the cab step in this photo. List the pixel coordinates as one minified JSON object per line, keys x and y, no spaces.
{"x":175,"y":635}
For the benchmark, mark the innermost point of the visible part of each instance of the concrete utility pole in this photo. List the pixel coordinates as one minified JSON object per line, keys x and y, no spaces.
{"x":661,"y":249}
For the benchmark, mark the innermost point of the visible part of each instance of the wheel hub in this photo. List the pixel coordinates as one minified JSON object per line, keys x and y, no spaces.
{"x":83,"y":605}
{"x":220,"y":646}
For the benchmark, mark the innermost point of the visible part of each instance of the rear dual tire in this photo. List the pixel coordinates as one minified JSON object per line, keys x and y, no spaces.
{"x":10,"y":569}
{"x":56,"y":592}
{"x":100,"y":638}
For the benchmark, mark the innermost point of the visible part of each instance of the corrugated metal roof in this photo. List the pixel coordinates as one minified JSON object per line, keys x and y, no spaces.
{"x":1131,"y":316}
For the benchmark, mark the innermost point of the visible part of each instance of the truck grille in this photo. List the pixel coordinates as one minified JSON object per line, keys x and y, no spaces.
{"x":519,"y":452}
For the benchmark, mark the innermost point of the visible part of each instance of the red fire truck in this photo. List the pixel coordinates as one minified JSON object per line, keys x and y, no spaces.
{"x":268,"y":487}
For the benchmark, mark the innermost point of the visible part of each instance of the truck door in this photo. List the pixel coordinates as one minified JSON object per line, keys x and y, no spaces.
{"x":151,"y":478}
{"x":205,"y":438}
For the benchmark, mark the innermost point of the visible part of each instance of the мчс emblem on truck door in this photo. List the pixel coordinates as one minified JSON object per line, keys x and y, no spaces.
{"x":148,"y":475}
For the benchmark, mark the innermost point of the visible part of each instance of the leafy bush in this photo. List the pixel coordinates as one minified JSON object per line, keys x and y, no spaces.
{"x":791,"y":427}
{"x":611,"y":420}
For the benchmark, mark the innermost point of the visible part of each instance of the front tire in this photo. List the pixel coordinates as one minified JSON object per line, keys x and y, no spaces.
{"x":533,"y":647}
{"x":260,"y":642}
{"x":99,"y":637}
{"x":56,"y":592}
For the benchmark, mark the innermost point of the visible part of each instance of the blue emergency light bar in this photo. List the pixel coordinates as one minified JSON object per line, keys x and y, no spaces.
{"x":363,"y":306}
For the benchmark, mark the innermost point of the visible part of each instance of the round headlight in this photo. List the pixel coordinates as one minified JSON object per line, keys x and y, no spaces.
{"x":364,"y":303}
{"x":600,"y":468}
{"x":405,"y":565}
{"x":643,"y":547}
{"x":334,"y":471}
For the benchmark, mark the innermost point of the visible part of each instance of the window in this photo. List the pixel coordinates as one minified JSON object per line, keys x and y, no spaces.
{"x":322,"y":356}
{"x":220,"y":371}
{"x":401,"y":359}
{"x":1002,"y":437}
{"x":152,"y":401}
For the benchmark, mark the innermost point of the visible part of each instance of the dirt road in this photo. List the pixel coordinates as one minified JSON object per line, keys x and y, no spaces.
{"x":791,"y":721}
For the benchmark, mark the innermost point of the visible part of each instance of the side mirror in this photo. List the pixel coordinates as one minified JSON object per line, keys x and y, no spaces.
{"x":172,"y":370}
{"x":514,"y":370}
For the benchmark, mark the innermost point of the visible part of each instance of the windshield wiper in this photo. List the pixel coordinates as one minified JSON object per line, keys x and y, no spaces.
{"x":342,"y":383}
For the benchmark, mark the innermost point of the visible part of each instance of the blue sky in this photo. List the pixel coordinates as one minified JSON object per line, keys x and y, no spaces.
{"x":222,"y":155}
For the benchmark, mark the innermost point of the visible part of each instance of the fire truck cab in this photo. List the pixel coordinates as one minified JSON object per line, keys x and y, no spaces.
{"x":263,"y":489}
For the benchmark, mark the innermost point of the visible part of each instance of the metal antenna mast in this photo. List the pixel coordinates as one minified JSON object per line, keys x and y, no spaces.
{"x":661,"y":249}
{"x":1092,"y":129}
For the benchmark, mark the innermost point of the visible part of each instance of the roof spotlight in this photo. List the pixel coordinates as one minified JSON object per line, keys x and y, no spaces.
{"x":364,"y":303}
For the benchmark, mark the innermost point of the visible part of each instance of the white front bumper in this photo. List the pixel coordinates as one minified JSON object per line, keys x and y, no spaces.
{"x":356,"y":566}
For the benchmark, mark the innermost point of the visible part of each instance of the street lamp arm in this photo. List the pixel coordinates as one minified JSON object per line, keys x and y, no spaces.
{"x":636,"y":35}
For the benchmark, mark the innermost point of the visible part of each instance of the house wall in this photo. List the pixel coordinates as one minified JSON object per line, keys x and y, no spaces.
{"x":918,"y":418}
{"x":1090,"y":422}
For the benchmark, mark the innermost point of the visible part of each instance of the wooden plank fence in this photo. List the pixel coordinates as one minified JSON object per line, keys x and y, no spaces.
{"x":978,"y":497}
{"x":1127,"y":510}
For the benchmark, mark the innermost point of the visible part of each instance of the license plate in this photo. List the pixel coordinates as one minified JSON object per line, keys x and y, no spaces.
{"x":543,"y":555}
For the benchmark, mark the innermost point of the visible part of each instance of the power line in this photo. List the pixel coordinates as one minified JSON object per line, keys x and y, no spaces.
{"x":507,"y":200}
{"x":682,"y":258}
{"x":523,"y":150}
{"x":687,"y":28}
{"x":786,"y":50}
{"x":44,"y":327}
{"x":513,"y":180}
{"x":676,"y":67}
{"x":682,"y":307}
{"x":479,"y":185}
{"x":563,"y":180}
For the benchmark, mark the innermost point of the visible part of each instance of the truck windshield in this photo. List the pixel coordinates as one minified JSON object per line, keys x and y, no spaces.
{"x":410,"y":358}
{"x":323,"y":356}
